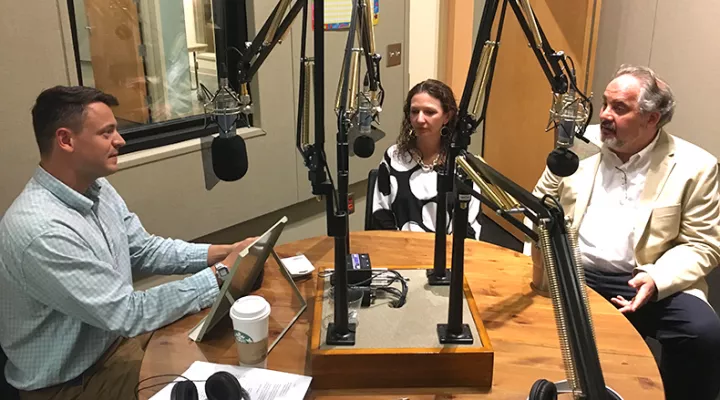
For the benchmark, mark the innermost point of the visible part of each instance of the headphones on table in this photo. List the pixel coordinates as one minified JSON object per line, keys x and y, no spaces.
{"x":221,"y":385}
{"x":543,"y":389}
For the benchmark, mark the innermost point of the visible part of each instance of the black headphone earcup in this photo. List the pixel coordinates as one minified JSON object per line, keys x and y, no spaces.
{"x":614,"y":396}
{"x":543,"y":389}
{"x":224,"y":386}
{"x":184,"y":390}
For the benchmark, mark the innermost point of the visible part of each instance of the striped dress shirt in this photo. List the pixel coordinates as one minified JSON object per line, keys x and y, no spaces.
{"x":66,"y":288}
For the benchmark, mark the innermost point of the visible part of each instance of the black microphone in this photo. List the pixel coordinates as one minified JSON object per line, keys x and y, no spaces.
{"x":562,"y":162}
{"x":229,"y":154}
{"x":364,"y":146}
{"x":229,"y":158}
{"x":569,"y":114}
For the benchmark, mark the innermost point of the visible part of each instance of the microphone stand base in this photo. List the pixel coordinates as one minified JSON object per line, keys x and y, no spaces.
{"x":434,"y":280}
{"x":465,"y":337}
{"x":337,"y":339}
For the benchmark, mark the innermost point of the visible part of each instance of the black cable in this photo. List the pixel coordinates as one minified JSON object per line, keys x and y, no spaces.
{"x":399,"y":302}
{"x":369,"y":280}
{"x":553,"y":199}
{"x":233,"y":48}
{"x":381,"y":95}
{"x":572,"y":63}
{"x":401,"y":294}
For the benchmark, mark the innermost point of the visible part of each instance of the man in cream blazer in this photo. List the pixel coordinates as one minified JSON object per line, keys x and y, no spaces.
{"x":647,"y":210}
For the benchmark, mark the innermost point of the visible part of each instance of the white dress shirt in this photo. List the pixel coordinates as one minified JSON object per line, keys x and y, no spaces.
{"x":606,"y":234}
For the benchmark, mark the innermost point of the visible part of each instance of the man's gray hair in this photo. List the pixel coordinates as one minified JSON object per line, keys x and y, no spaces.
{"x":655,"y":94}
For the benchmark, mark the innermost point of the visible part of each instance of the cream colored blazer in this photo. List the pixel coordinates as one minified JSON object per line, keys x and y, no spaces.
{"x":677,"y":231}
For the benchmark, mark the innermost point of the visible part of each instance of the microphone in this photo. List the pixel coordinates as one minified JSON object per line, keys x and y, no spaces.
{"x":364,"y":143}
{"x":229,"y":153}
{"x":569,"y":115}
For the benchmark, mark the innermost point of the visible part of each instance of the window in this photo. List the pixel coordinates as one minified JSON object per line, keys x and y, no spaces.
{"x":152,"y":55}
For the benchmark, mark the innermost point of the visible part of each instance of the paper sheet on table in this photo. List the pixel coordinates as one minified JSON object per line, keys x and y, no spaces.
{"x":261,"y":384}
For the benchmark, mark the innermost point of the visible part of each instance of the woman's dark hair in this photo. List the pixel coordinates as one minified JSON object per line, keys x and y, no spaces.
{"x":406,"y":140}
{"x":63,"y":107}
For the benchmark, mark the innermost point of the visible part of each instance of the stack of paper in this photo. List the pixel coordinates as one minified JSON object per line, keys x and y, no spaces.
{"x":261,"y":384}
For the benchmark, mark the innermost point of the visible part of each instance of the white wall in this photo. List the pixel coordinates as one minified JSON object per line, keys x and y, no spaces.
{"x":676,"y":39}
{"x":424,"y":40}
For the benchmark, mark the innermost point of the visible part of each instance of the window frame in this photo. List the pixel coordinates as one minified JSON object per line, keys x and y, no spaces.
{"x":157,"y":134}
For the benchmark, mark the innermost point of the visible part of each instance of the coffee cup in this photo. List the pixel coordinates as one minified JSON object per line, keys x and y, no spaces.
{"x":250,"y":316}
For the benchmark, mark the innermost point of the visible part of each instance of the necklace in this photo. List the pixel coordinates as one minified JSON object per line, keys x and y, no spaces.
{"x":426,"y":167}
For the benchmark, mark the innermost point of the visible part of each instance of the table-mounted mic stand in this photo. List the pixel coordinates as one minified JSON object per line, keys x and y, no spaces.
{"x":340,"y":331}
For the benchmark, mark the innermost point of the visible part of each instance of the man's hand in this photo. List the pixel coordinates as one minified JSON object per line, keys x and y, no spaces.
{"x":219,"y":252}
{"x":646,"y":289}
{"x":239,"y":246}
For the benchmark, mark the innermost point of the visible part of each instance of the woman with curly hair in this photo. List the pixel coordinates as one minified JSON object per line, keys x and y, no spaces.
{"x":406,"y":188}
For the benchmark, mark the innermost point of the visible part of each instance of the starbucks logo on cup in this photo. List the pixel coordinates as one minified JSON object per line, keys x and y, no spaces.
{"x":241,"y":337}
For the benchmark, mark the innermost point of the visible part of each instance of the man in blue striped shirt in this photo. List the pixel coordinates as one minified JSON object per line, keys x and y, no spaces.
{"x":68,"y":249}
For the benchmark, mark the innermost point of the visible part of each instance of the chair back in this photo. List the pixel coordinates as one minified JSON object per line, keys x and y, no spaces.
{"x":370,"y":195}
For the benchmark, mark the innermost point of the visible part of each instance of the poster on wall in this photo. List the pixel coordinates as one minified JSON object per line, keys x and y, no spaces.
{"x":338,"y":13}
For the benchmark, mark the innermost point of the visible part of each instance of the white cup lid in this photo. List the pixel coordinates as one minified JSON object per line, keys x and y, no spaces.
{"x":250,"y":308}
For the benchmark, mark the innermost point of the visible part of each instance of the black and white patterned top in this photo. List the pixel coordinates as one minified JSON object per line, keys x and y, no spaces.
{"x":406,"y":198}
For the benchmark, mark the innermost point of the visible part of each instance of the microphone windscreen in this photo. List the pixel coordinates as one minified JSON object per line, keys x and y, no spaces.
{"x":562,"y":162}
{"x":364,"y":146}
{"x":229,"y":158}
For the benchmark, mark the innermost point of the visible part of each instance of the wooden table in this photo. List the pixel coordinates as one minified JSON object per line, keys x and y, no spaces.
{"x":520,"y":323}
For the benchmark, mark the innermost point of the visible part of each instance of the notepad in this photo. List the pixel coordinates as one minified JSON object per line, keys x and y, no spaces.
{"x":261,"y":384}
{"x":298,"y":265}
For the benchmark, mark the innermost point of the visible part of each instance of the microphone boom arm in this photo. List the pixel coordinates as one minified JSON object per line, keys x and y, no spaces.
{"x":565,"y":274}
{"x":259,"y":49}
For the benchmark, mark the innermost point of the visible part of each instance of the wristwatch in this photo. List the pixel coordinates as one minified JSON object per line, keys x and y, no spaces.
{"x":221,"y":272}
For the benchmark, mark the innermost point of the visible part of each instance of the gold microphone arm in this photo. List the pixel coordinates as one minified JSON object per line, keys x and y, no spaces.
{"x":477,"y":99}
{"x":353,"y":88}
{"x":532,"y":22}
{"x":496,"y":195}
{"x":282,"y":7}
{"x":308,"y":66}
